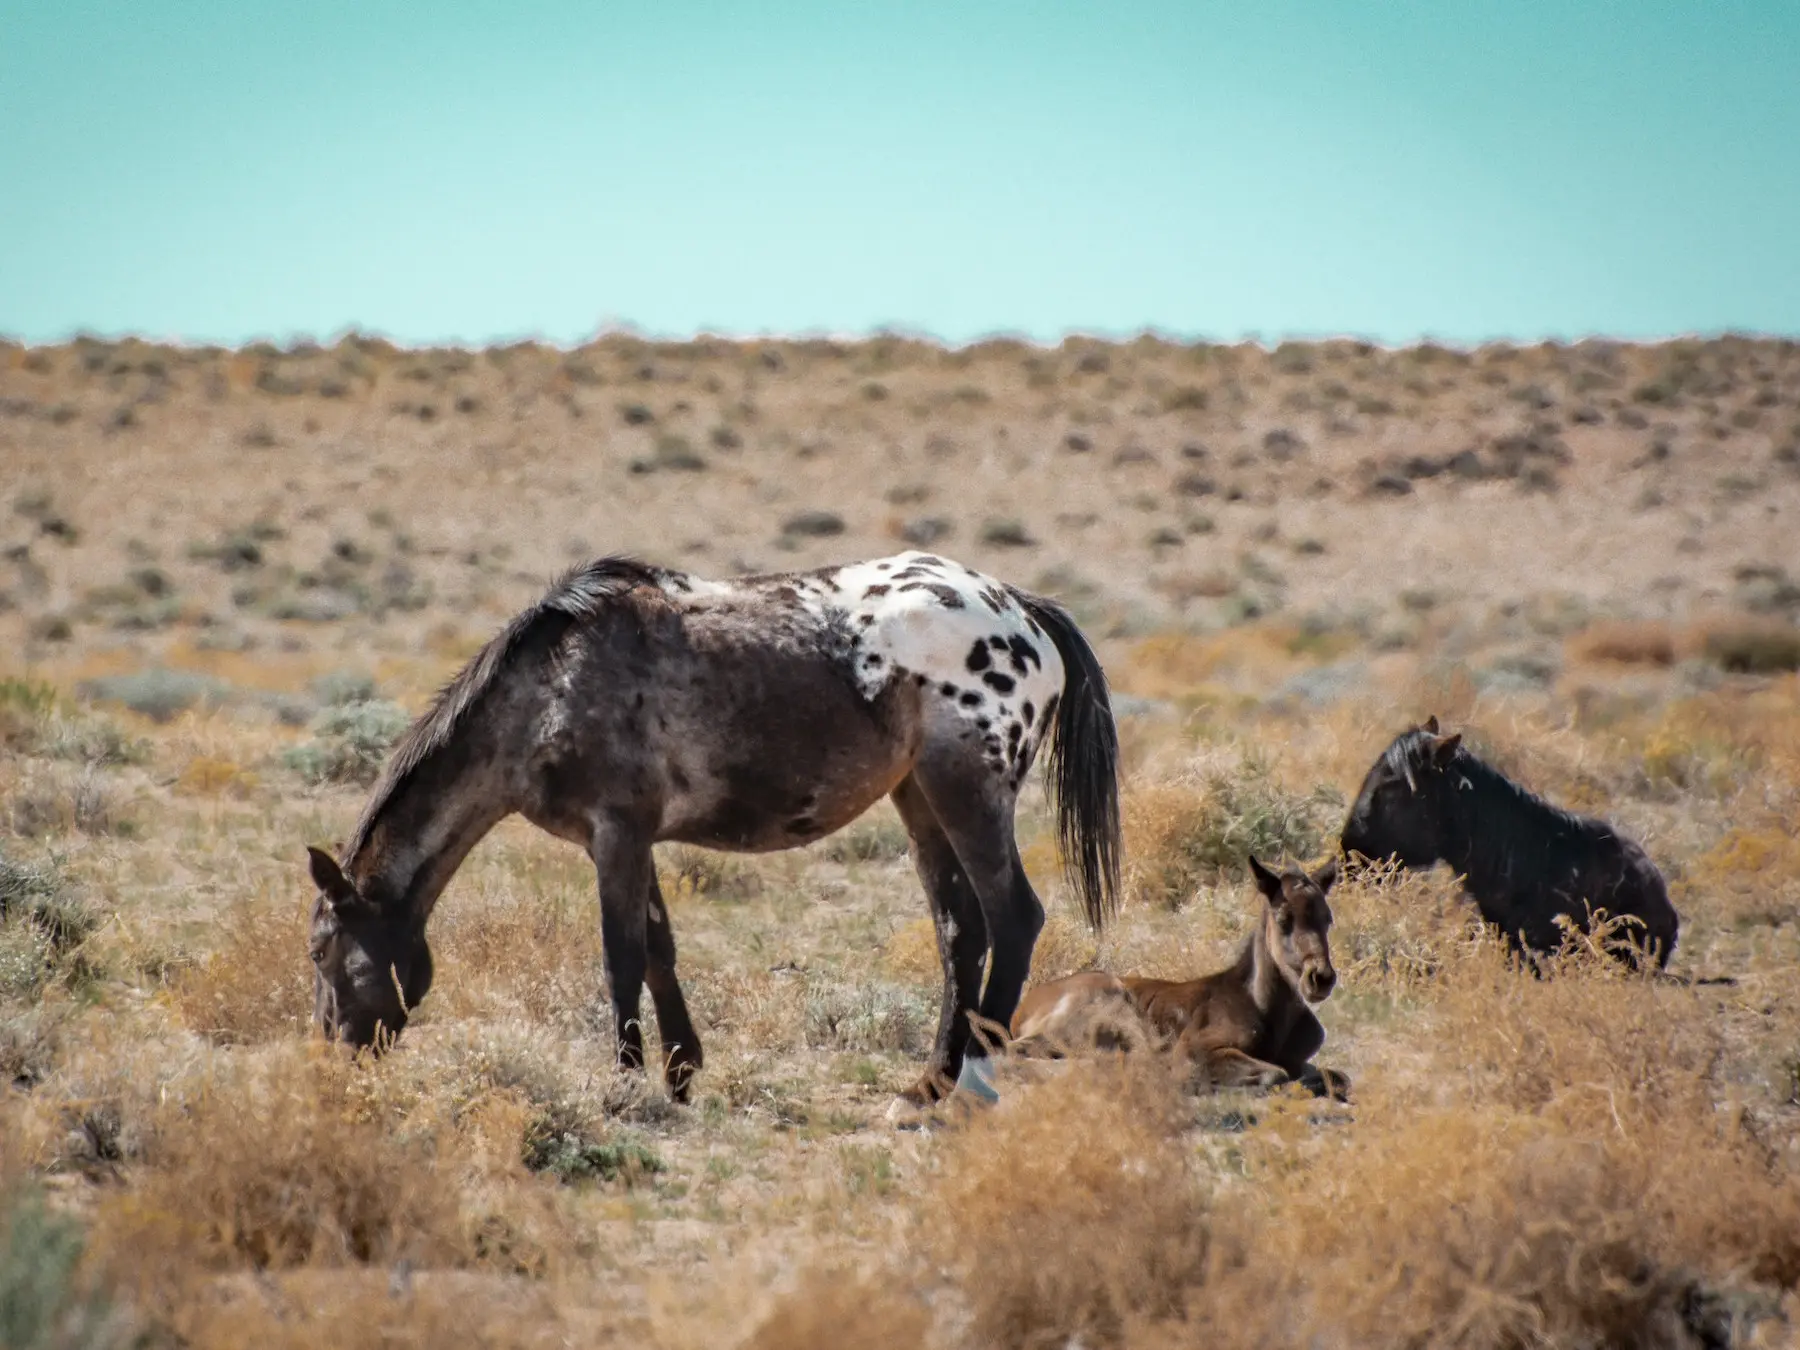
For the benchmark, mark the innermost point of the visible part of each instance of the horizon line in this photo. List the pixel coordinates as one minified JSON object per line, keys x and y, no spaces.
{"x":296,"y":340}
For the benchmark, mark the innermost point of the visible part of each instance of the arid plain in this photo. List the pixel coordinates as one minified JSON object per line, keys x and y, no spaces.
{"x":229,"y":578}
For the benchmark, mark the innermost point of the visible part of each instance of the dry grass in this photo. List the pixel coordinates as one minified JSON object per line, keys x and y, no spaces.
{"x":287,"y":1161}
{"x":233,"y":993}
{"x":1205,"y":824}
{"x":1076,"y":1211}
{"x":1583,"y":1159}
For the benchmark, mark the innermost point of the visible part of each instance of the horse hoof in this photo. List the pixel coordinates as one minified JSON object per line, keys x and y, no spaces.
{"x":977,"y":1080}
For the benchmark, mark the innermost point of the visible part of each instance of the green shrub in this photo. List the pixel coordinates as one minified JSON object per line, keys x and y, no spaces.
{"x":340,"y":687}
{"x":1755,"y":649}
{"x":42,"y":924}
{"x":157,"y":693}
{"x":43,"y":1304}
{"x":868,"y":1017}
{"x":31,"y":698}
{"x":571,"y":1157}
{"x":1002,"y":532}
{"x":874,"y":838}
{"x":350,"y":742}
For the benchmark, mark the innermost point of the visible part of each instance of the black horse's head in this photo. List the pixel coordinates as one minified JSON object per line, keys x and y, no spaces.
{"x":371,"y":966}
{"x":1403,"y":808}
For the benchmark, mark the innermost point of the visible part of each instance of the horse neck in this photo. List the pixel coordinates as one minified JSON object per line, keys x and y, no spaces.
{"x":420,"y":835}
{"x":1483,"y":853}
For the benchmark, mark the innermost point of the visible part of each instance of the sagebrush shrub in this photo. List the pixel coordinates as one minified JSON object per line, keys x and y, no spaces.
{"x":350,"y":742}
{"x":1202,"y":827}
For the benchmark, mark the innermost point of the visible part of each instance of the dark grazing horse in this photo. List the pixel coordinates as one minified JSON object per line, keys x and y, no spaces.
{"x":1428,"y":798}
{"x":633,"y":704}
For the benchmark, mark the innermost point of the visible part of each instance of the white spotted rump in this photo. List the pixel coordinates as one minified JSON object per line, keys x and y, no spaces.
{"x":961,"y":636}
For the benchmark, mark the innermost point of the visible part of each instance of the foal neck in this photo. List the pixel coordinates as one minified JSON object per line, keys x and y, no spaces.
{"x":1263,"y":976}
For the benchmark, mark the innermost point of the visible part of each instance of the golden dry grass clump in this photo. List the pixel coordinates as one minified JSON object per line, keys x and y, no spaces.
{"x":233,"y":993}
{"x":1071,"y":1210}
{"x":1202,"y":825}
{"x":292,"y":1160}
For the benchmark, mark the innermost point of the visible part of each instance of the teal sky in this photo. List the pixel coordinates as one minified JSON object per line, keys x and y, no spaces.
{"x":219,"y":171}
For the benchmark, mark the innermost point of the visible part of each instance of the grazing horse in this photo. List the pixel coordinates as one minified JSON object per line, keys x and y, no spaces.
{"x":1428,"y":798}
{"x":1249,"y":1025}
{"x":633,"y":704}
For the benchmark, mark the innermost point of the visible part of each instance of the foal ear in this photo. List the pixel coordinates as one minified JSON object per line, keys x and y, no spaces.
{"x":330,"y":878}
{"x":1326,"y":877}
{"x":1445,"y":749}
{"x":1431,"y":724}
{"x":1266,"y":881}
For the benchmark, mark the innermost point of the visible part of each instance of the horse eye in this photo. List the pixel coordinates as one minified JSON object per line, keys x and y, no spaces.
{"x":1286,"y":920}
{"x":318,"y":955}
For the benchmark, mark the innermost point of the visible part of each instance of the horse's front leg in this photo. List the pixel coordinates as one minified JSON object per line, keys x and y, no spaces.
{"x":1225,"y":1065}
{"x":1322,"y":1082}
{"x":627,"y":871}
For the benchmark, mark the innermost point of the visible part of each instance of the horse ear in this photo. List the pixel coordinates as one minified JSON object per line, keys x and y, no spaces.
{"x":1326,"y":877}
{"x":1445,"y":750}
{"x":1266,"y":881}
{"x":330,"y":878}
{"x":1431,"y":724}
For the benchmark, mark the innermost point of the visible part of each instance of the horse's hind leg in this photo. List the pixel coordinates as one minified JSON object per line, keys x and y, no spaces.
{"x":975,"y":808}
{"x":682,"y":1057}
{"x":627,"y":871}
{"x":961,"y":938}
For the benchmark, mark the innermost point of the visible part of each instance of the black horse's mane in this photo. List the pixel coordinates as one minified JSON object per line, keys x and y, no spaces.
{"x":1513,"y":819}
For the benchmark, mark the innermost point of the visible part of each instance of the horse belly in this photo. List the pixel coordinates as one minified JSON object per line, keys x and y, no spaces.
{"x":787,"y":770}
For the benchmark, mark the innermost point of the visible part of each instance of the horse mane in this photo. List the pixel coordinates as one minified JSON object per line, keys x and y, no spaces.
{"x":577,"y":595}
{"x":1502,"y":832}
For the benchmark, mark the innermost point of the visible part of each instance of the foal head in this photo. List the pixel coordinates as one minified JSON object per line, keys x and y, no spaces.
{"x":371,"y":964}
{"x":1296,"y":919}
{"x":1402,"y":809}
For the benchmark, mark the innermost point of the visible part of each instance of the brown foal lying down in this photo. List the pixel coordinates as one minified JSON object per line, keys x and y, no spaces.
{"x":1246,"y":1026}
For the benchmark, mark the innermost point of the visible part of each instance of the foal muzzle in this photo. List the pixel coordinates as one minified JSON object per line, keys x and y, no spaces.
{"x":1317,"y":982}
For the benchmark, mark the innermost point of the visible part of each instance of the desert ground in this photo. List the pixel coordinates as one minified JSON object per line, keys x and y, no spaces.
{"x":229,"y":578}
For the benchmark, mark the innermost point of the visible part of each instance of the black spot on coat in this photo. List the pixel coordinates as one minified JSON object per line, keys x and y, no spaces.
{"x":946,"y":595}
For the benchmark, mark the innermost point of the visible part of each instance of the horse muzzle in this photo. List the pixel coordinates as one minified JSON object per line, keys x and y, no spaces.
{"x":1317,"y":982}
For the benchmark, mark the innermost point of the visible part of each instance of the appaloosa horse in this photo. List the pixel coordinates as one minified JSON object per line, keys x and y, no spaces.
{"x":1524,"y":862}
{"x":1249,"y":1025}
{"x":633,"y":704}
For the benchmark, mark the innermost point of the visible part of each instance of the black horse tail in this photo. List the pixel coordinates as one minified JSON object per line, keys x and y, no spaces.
{"x":1082,"y":765}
